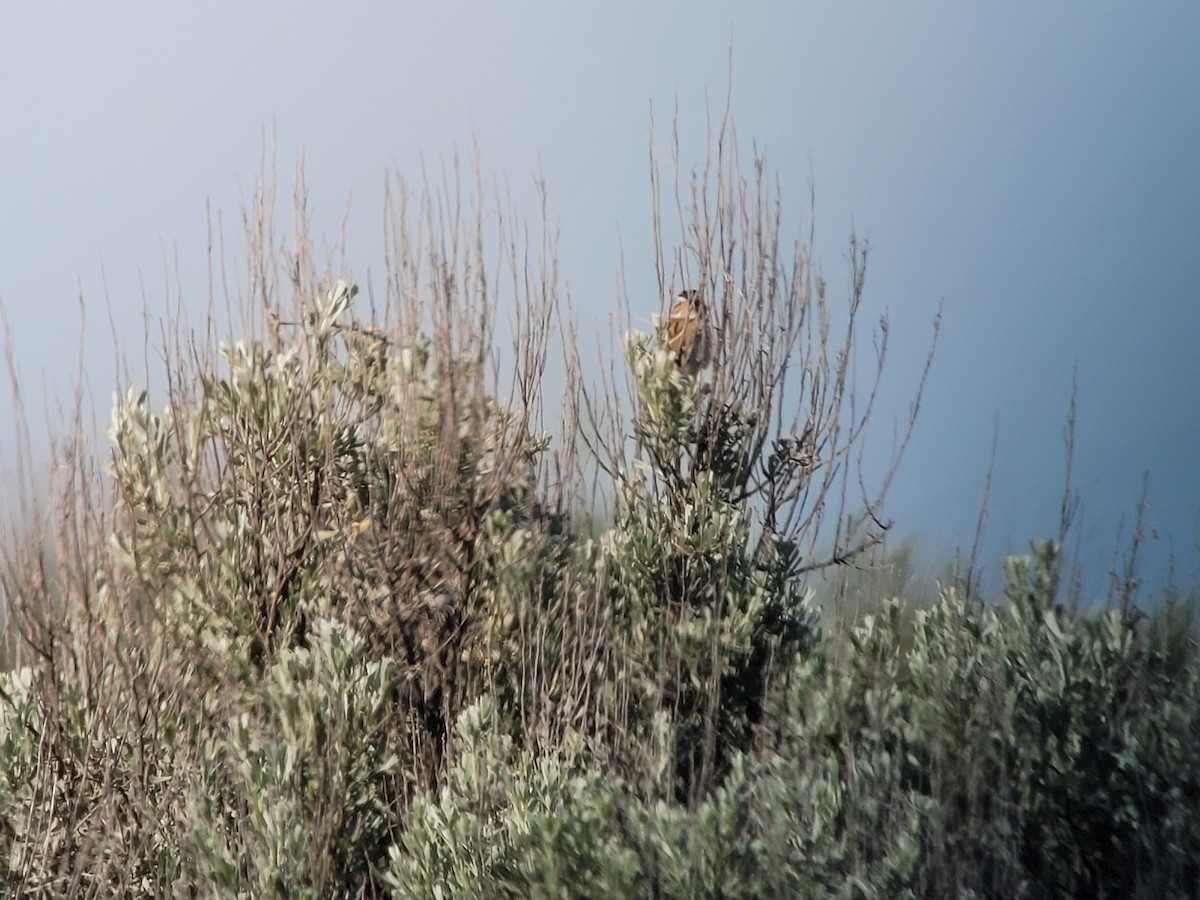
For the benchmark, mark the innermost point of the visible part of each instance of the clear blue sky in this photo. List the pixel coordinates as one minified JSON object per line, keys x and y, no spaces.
{"x":1034,"y":167}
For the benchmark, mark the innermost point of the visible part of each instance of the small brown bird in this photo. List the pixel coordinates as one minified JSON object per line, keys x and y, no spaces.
{"x":689,"y":336}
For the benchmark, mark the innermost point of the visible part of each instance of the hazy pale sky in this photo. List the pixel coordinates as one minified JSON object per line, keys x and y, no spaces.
{"x":1033,"y":167}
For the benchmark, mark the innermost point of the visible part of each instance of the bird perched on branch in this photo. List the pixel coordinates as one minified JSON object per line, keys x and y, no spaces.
{"x":689,"y":335}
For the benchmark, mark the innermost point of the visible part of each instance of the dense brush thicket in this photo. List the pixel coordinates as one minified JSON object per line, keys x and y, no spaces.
{"x":330,"y":623}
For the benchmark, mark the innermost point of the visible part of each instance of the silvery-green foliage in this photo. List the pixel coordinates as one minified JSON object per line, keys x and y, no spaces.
{"x":21,"y":722}
{"x":712,"y":851}
{"x":512,"y":823}
{"x":336,"y":453}
{"x":509,"y":823}
{"x":844,"y":771}
{"x":707,"y":607}
{"x":221,"y":550}
{"x":292,"y":794}
{"x":68,"y":762}
{"x":1051,"y":744}
{"x":738,"y":842}
{"x":1091,"y":699}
